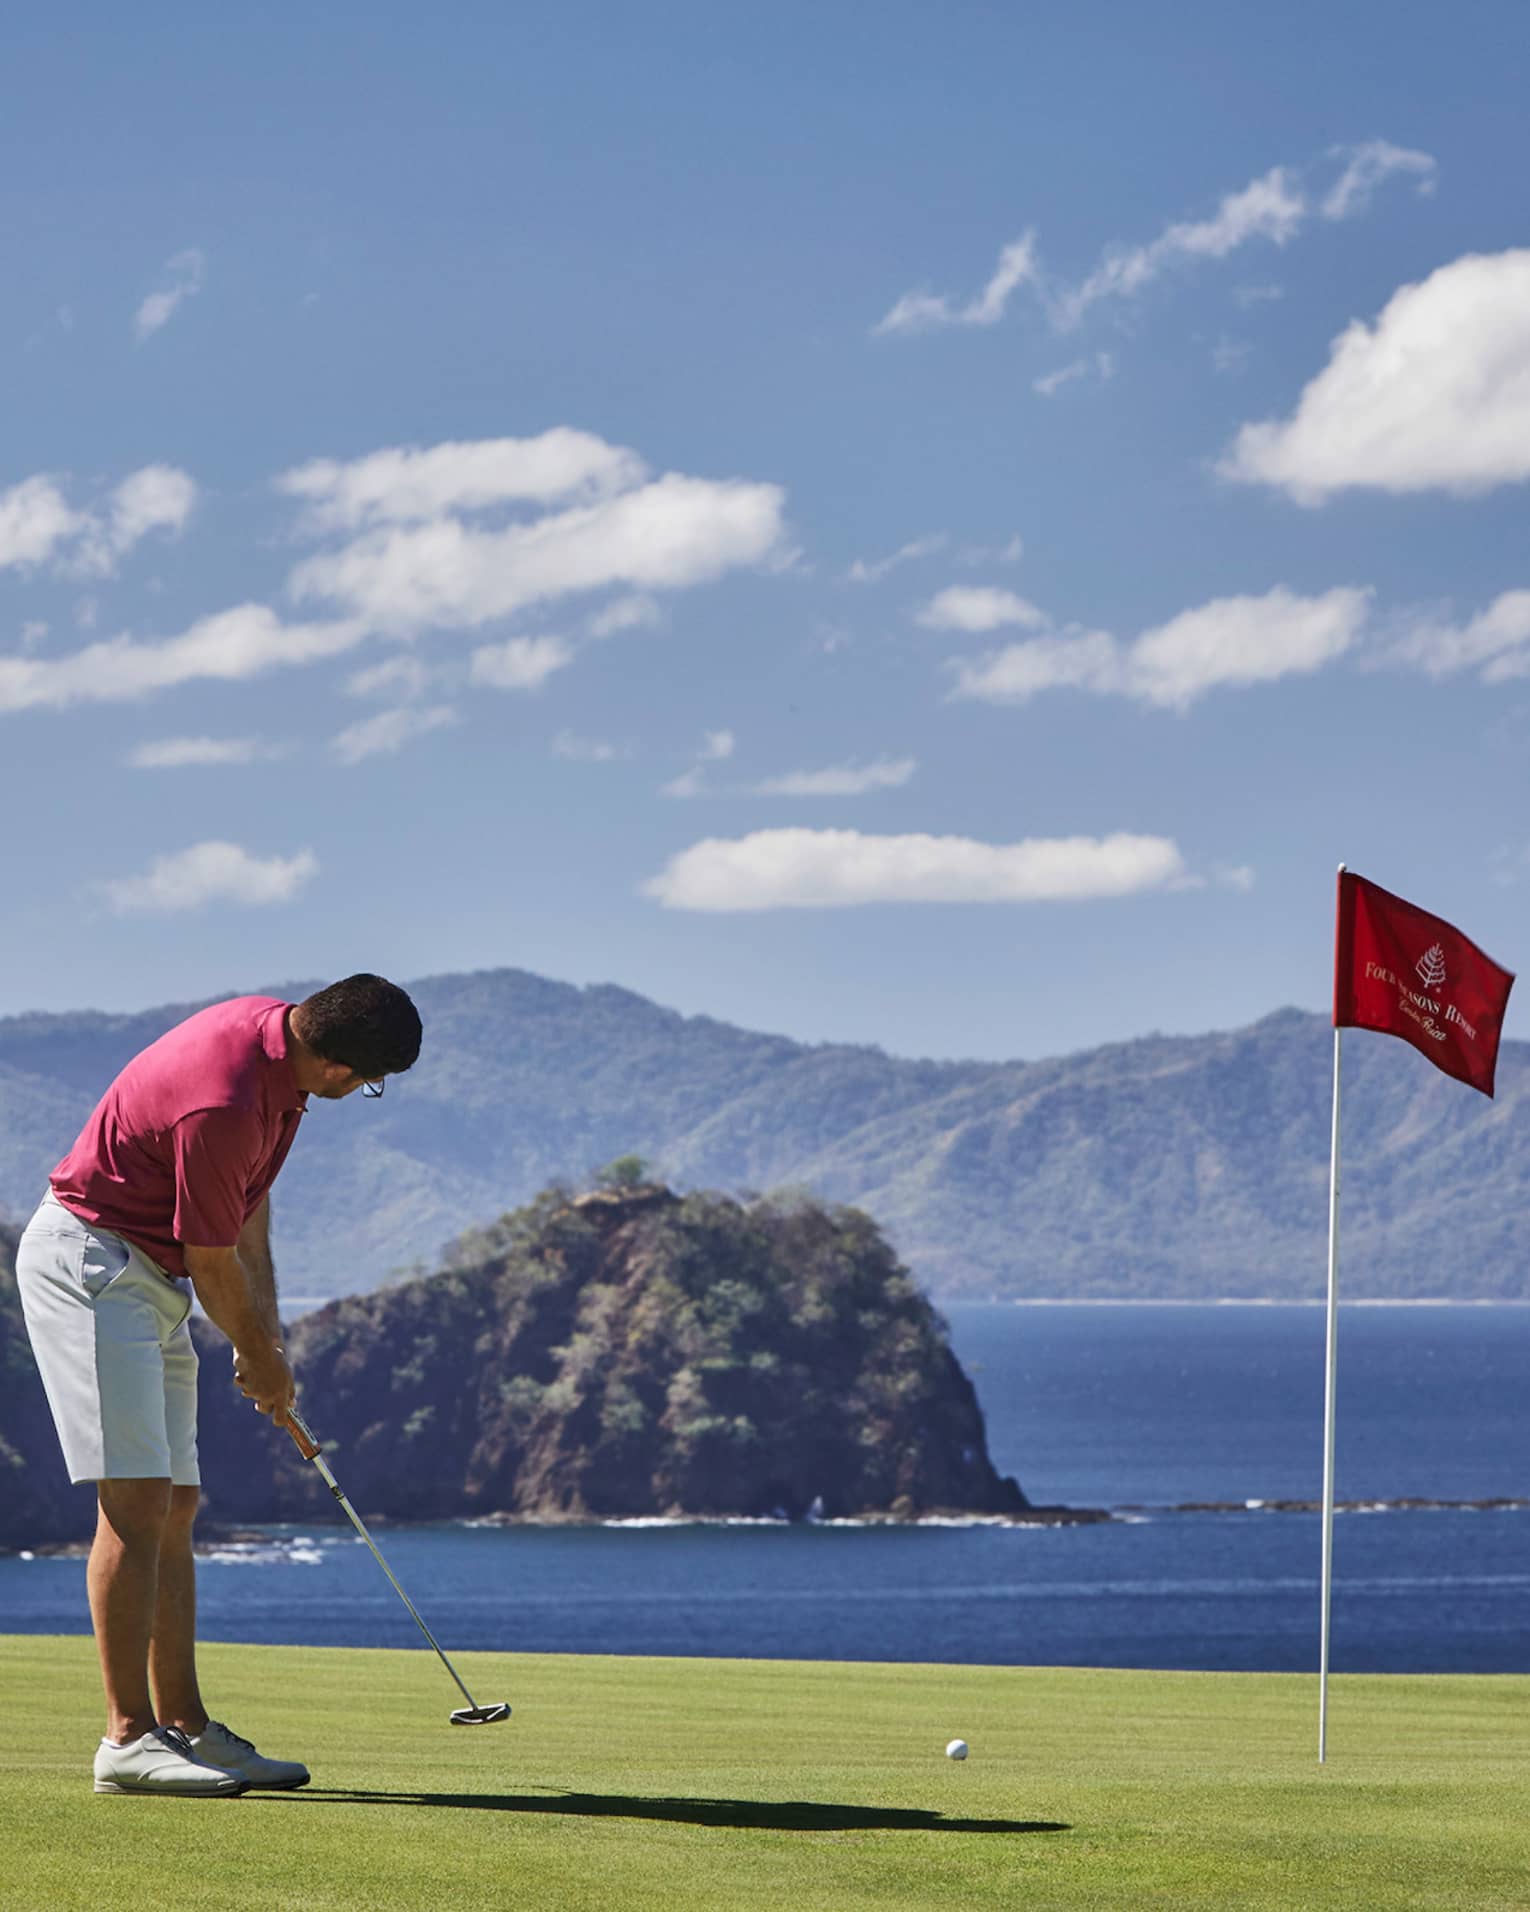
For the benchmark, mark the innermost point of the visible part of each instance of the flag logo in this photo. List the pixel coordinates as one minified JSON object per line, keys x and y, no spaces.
{"x":1431,"y":967}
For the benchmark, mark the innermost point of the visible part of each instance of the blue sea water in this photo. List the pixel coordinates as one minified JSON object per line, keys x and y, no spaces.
{"x":1138,"y":1409}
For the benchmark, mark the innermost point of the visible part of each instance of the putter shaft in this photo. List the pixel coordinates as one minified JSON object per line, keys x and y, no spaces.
{"x":309,"y":1447}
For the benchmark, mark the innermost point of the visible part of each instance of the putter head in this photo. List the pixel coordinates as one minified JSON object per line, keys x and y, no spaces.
{"x":480,"y":1715}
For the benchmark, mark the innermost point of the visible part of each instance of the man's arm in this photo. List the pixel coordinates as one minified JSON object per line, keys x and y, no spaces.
{"x":224,"y":1289}
{"x":254,"y":1251}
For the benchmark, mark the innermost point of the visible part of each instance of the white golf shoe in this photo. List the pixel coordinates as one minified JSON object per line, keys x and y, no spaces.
{"x":219,"y":1747}
{"x":163,"y":1762}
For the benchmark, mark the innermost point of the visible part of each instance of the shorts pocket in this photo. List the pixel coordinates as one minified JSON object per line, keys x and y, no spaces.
{"x":102,"y":1259}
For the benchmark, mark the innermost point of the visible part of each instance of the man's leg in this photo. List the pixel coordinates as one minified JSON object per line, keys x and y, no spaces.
{"x":173,"y":1662}
{"x":173,"y":1644}
{"x":123,"y":1580}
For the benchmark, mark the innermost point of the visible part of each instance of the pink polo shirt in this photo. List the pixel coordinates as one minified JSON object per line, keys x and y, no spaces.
{"x":186,"y":1142}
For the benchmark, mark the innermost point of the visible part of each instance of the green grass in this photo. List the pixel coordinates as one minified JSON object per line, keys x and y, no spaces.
{"x":624,"y":1784}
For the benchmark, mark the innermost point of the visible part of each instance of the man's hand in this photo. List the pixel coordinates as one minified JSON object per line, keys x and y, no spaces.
{"x":265,"y":1377}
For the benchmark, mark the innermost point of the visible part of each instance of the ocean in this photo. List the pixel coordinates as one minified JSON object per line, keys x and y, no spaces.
{"x":1145,"y":1410}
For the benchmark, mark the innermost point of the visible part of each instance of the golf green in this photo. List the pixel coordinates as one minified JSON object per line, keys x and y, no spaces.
{"x":632,"y":1783}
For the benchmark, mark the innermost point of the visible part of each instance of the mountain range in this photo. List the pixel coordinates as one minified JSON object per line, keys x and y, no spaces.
{"x":1168,"y":1167}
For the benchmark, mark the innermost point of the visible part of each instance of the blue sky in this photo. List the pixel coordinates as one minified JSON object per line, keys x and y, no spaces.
{"x":927,"y":526}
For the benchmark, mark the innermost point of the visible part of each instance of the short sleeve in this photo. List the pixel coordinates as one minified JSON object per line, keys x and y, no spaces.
{"x":215,"y":1154}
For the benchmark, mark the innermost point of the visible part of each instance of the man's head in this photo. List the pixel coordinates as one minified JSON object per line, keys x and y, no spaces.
{"x":354,"y":1032}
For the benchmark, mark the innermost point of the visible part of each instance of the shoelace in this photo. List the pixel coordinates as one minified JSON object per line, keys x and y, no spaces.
{"x":173,"y":1736}
{"x":247,"y":1744}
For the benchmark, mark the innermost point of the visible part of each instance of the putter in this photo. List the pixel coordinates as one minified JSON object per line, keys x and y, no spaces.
{"x":470,"y":1715}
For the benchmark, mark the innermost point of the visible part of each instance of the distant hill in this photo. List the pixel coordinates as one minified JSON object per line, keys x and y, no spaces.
{"x":1170,"y":1166}
{"x":624,"y":1353}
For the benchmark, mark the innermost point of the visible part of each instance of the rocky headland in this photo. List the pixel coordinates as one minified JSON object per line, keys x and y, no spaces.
{"x":627,"y":1352}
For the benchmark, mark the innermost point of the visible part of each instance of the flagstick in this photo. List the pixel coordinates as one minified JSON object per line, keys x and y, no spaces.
{"x":1328,"y":1409}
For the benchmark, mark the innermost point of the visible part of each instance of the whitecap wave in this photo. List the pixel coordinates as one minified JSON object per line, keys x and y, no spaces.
{"x":631,"y":1521}
{"x":297,"y":1552}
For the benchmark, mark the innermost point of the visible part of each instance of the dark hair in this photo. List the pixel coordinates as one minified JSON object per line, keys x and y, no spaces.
{"x":368,"y":1024}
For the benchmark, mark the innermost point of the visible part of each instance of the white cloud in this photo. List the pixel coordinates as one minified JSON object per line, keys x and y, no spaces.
{"x":1087,"y":660}
{"x":624,"y":614}
{"x":521,"y":663}
{"x":578,"y":749}
{"x":845,"y":780}
{"x":690,"y":783}
{"x":212,"y":872}
{"x":389,"y":731}
{"x":37,"y":523}
{"x":672,"y":533}
{"x":832,"y":869}
{"x":33,"y":632}
{"x":157,"y":498}
{"x":228,"y":646}
{"x":864,"y":572}
{"x":1271,"y":207}
{"x":1103,"y":365}
{"x":1247,"y":296}
{"x":1238,"y":641}
{"x":185,"y":273}
{"x":35,"y":519}
{"x":716,"y":747}
{"x":401,"y":679}
{"x":179,"y":753}
{"x":410,"y":484}
{"x":1495,"y":643}
{"x":1435,"y":395}
{"x":1230,"y":642}
{"x":1367,"y":166}
{"x":1051,"y":382}
{"x":1009,"y":553}
{"x":973,"y":607}
{"x":923,"y":311}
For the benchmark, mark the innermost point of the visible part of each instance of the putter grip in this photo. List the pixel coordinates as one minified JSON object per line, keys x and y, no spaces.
{"x":300,"y":1431}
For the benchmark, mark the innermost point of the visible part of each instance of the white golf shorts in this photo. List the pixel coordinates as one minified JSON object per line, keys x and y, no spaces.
{"x":109,"y":1333}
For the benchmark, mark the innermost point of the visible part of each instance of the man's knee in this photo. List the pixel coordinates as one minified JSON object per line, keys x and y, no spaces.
{"x":182,"y":1512}
{"x":135,"y":1511}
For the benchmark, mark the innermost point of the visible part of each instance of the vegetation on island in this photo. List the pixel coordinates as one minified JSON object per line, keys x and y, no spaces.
{"x":625,"y":1352}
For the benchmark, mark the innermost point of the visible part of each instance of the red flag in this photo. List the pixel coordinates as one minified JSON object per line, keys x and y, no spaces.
{"x":1400,"y":970}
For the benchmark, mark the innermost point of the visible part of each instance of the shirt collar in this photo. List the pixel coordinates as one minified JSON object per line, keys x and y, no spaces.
{"x":273,"y":1039}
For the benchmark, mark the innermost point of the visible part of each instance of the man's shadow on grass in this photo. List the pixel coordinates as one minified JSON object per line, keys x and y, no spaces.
{"x":756,"y":1815}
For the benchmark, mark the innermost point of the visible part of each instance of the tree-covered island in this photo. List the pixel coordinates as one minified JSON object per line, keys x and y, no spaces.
{"x":625,"y":1352}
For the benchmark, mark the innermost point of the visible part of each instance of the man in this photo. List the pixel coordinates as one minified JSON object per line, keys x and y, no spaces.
{"x":169,"y":1182}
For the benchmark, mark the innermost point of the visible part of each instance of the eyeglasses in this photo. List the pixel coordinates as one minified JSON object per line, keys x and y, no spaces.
{"x":372,"y":1090}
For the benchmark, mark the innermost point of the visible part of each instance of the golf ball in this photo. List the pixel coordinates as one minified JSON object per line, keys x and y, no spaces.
{"x":957,"y":1749}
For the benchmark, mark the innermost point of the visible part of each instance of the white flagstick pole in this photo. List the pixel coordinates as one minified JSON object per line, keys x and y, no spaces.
{"x":1329,"y":1399}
